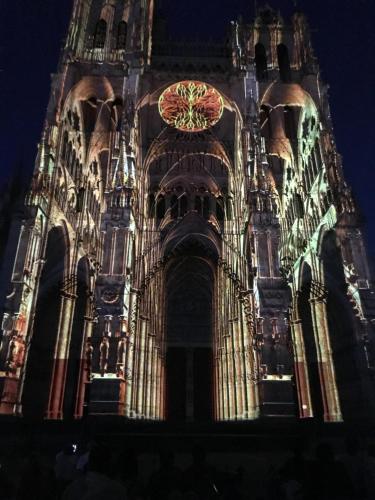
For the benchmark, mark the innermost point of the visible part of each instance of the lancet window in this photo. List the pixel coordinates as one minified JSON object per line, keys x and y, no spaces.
{"x":177,"y":203}
{"x":312,"y":167}
{"x":122,"y":32}
{"x":260,"y":62}
{"x":100,"y":34}
{"x":284,"y":63}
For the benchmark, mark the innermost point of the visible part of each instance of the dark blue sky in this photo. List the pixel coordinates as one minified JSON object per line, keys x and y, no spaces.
{"x":31,"y":32}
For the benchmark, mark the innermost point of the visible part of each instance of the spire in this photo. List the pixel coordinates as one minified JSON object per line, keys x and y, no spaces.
{"x":121,"y":171}
{"x":267,"y":15}
{"x":296,"y":5}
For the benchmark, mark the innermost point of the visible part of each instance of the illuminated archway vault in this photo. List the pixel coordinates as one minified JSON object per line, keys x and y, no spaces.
{"x":188,"y":191}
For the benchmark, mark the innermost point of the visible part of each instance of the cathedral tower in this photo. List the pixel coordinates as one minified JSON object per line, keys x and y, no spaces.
{"x":189,"y":249}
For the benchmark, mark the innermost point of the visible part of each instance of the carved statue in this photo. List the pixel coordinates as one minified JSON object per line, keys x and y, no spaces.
{"x":88,"y":356}
{"x":120,"y":358}
{"x":104,"y":354}
{"x":15,"y":354}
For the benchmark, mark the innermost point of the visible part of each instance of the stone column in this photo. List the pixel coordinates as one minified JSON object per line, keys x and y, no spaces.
{"x":238,"y":371}
{"x":127,"y":376}
{"x":229,"y":376}
{"x":140,"y":379}
{"x":332,"y":411}
{"x":57,"y":387}
{"x":221,"y":383}
{"x":129,"y":356}
{"x":147,"y":374}
{"x":153,"y":368}
{"x":85,"y":368}
{"x":300,"y":370}
{"x":251,"y":360}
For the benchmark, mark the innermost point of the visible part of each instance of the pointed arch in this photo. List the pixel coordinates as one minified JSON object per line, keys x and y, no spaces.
{"x":306,"y":317}
{"x":40,"y":357}
{"x":189,"y":296}
{"x":347,"y":356}
{"x":77,"y":336}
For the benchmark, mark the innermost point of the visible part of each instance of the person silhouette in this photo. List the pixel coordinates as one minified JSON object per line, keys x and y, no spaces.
{"x":166,"y":481}
{"x":200,"y":479}
{"x":328,"y":479}
{"x":96,"y":484}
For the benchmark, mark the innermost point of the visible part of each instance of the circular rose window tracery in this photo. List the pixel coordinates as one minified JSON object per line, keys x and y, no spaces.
{"x":191,"y":106}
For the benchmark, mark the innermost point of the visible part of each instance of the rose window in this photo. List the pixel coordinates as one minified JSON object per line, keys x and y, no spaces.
{"x":191,"y":106}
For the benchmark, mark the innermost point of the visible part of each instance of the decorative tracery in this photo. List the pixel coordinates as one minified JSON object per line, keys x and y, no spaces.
{"x":191,"y":106}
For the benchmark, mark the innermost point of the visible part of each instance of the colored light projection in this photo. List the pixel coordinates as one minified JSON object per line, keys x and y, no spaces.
{"x":191,"y":106}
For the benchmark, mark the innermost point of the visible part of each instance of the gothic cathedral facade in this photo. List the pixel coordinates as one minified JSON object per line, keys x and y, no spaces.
{"x":189,"y":249}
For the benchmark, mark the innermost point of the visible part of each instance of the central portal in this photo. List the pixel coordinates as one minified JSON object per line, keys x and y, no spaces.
{"x":189,"y":302}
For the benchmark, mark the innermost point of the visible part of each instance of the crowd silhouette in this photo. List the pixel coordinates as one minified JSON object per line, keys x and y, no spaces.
{"x":329,"y":470}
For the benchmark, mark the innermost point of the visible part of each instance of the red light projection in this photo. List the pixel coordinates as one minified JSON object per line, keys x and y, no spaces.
{"x":191,"y":106}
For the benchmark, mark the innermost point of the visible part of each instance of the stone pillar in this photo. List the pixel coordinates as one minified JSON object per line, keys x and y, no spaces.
{"x":151,"y":383}
{"x":127,"y":377}
{"x":57,"y":388}
{"x":239,"y":372}
{"x":300,"y":370}
{"x":228,"y":378}
{"x":247,"y":401}
{"x":85,"y":367}
{"x":140,"y":379}
{"x":129,"y":356}
{"x":332,"y":411}
{"x":146,"y":375}
{"x":221,"y":383}
{"x":251,"y":360}
{"x":162,"y":412}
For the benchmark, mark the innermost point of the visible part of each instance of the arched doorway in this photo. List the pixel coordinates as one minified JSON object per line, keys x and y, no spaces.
{"x":76,"y":338}
{"x":304,"y":311}
{"x":341,"y":323}
{"x":189,"y":338}
{"x":46,"y":322}
{"x":188,"y":191}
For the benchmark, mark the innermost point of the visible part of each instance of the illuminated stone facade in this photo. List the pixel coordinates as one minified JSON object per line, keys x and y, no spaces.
{"x":187,"y":275}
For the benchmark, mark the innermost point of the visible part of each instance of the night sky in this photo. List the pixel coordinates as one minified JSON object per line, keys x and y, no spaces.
{"x":344,"y":40}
